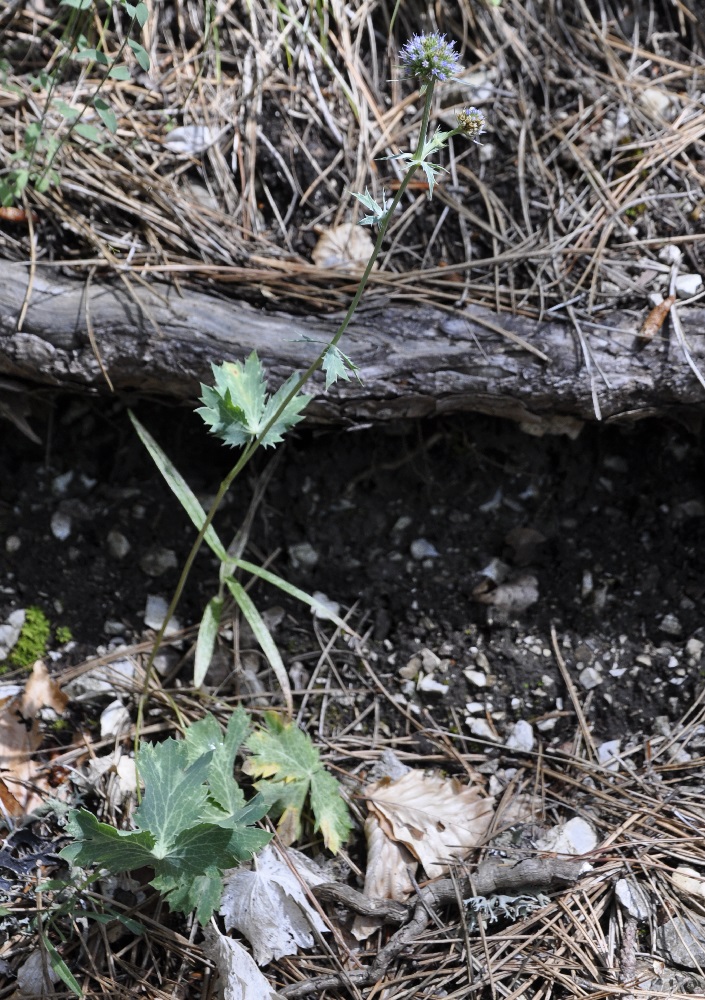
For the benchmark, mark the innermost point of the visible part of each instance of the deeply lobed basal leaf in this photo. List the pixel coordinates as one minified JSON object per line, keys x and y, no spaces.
{"x":237,"y":409}
{"x":193,"y":823}
{"x":289,"y":768}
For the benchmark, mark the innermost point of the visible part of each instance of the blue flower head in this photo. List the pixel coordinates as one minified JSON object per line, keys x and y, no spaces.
{"x":471,"y":121}
{"x":430,"y":57}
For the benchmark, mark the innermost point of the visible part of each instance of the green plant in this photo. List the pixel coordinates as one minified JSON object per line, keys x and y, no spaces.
{"x":63,"y":634}
{"x":238,"y":410}
{"x":33,"y":639}
{"x":34,"y":162}
{"x":194,"y":821}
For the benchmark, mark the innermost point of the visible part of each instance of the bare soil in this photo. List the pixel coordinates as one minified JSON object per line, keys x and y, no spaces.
{"x":620,"y":517}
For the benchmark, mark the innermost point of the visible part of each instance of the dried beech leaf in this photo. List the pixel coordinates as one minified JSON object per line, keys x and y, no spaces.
{"x":346,"y":247}
{"x":387,"y":875}
{"x":20,"y":738}
{"x":437,"y":818}
{"x":41,"y":691}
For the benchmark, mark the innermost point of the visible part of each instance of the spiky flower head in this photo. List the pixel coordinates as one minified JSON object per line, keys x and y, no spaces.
{"x":471,"y":122}
{"x":430,"y":57}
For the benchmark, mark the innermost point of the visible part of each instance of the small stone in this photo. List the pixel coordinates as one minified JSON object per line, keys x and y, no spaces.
{"x":608,"y":754}
{"x":326,"y":610}
{"x":521,"y":737}
{"x":547,"y":725}
{"x":589,"y":678}
{"x":60,"y":484}
{"x":113,"y":677}
{"x":670,"y":625}
{"x":113,"y":628}
{"x":475,"y":677}
{"x":473,"y":707}
{"x":430,"y":685}
{"x":481,"y":728}
{"x":118,"y":545}
{"x":672,"y":662}
{"x":10,"y":632}
{"x":481,"y":661}
{"x":401,"y":524}
{"x":644,"y":659}
{"x":60,"y":525}
{"x":421,"y":548}
{"x":158,"y":560}
{"x":670,"y":254}
{"x":412,"y":669}
{"x":655,"y":100}
{"x":303,"y":555}
{"x":687,"y":285}
{"x":693,"y":648}
{"x":155,"y":613}
{"x":576,"y":836}
{"x":429,"y":661}
{"x":681,"y":941}
{"x":633,"y":898}
{"x":12,"y":544}
{"x":114,"y":720}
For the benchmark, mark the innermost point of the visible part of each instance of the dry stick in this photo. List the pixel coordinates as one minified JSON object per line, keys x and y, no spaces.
{"x":530,"y":874}
{"x":567,"y":680}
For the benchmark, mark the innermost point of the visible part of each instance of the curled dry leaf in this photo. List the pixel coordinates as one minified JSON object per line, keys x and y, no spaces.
{"x":346,"y":248}
{"x":656,"y":318}
{"x":417,"y":817}
{"x":437,"y":818}
{"x":388,"y":875}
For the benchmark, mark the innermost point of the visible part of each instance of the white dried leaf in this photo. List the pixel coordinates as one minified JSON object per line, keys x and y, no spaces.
{"x":346,"y":247}
{"x":240,"y":979}
{"x":437,"y":818}
{"x":190,"y":139}
{"x":269,"y":906}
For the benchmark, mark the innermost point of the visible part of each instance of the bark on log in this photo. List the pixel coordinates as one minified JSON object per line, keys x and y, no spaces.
{"x":414,"y":361}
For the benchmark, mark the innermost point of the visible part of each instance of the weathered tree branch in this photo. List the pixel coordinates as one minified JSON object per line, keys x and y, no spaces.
{"x":415,"y":361}
{"x":511,"y":878}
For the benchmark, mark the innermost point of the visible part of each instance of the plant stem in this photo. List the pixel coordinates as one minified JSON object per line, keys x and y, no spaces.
{"x":252,"y":447}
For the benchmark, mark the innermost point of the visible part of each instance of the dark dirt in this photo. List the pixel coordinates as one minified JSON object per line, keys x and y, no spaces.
{"x":621,"y":513}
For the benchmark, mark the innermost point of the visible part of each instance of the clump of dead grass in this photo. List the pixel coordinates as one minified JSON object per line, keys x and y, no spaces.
{"x":593,"y":155}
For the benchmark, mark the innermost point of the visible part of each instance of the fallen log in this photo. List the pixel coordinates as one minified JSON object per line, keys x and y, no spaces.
{"x":414,"y":361}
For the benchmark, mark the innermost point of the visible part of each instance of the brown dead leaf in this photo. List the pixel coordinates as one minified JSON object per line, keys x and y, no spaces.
{"x":437,"y":818}
{"x":20,"y":738}
{"x":41,"y":691}
{"x":346,"y":248}
{"x":656,"y":318}
{"x":387,"y":876}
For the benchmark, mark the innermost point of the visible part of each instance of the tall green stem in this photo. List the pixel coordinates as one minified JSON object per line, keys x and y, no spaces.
{"x":252,"y":447}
